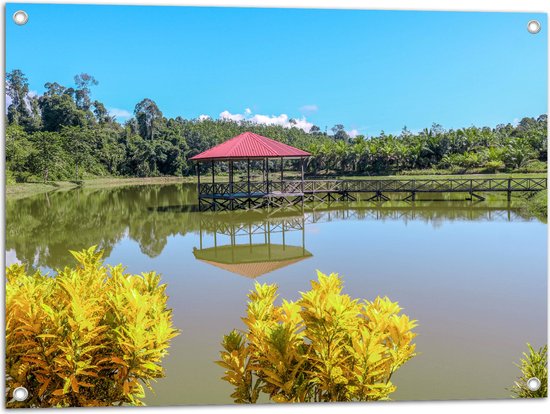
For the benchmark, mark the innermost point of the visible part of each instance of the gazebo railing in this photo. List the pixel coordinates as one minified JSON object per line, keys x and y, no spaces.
{"x":224,"y":189}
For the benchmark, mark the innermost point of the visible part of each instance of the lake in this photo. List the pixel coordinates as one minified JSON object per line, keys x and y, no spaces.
{"x":472,"y":273}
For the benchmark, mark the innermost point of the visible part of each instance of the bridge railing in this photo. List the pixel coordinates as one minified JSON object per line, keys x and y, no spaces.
{"x":374,"y":185}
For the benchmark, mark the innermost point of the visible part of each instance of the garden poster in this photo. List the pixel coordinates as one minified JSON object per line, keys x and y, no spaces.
{"x":252,"y":205}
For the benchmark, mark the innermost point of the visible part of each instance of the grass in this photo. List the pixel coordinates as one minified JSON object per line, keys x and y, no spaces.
{"x":22,"y":190}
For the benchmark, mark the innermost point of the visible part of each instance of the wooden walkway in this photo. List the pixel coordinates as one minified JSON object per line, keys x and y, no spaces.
{"x":279,"y":194}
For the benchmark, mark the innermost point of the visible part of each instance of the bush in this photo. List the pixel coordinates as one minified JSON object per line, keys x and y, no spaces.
{"x":535,"y":166}
{"x":324,"y":347}
{"x":10,"y":178}
{"x":89,"y":336}
{"x":494,"y":166}
{"x":534,"y":364}
{"x":535,"y":206}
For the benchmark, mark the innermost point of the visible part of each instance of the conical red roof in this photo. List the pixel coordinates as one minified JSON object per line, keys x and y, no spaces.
{"x":250,"y":145}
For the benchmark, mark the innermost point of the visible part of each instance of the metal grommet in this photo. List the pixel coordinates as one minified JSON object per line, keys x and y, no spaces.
{"x":533,"y":26}
{"x":533,"y":384}
{"x":20,"y":394}
{"x":20,"y":17}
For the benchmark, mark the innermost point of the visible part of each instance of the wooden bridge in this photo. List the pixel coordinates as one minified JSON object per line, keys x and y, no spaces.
{"x":251,"y":195}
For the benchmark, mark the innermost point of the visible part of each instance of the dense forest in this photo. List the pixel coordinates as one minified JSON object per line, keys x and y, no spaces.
{"x":66,"y":135}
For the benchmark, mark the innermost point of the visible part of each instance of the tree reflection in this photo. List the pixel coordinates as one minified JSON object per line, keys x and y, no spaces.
{"x":40,"y":229}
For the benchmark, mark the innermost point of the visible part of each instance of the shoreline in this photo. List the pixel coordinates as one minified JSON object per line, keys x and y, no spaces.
{"x":23,"y":190}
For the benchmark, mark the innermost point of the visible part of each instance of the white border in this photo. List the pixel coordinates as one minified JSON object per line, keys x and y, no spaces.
{"x":450,"y":5}
{"x":502,"y":406}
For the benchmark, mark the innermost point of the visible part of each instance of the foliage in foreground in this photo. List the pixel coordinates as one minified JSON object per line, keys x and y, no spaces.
{"x":89,"y":336}
{"x":533,"y":364}
{"x":323,"y":347}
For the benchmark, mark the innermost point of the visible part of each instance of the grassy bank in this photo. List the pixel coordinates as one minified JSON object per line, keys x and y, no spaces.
{"x":536,"y":206}
{"x":21,"y":190}
{"x":440,"y":176}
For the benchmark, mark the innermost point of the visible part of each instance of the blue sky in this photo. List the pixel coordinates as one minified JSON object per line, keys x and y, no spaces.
{"x":368,"y":70}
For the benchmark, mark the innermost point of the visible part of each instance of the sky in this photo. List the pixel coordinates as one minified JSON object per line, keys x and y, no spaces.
{"x":368,"y":70}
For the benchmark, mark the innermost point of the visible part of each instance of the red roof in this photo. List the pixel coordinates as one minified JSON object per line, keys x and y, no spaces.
{"x":250,"y":145}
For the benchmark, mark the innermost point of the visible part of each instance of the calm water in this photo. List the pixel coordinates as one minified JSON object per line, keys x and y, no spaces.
{"x":472,"y":274}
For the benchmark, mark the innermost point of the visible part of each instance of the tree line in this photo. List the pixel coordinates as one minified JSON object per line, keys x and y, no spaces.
{"x":64,"y":134}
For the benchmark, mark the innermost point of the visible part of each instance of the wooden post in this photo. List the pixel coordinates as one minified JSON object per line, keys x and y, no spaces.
{"x":248,"y":175}
{"x":212,"y":163}
{"x":231,"y":177}
{"x":282,"y":166}
{"x":267,"y":175}
{"x":302,"y":166}
{"x":509,"y":189}
{"x":263,"y":173}
{"x":198,"y":179}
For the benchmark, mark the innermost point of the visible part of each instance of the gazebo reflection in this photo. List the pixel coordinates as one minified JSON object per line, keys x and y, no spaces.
{"x":251,"y":248}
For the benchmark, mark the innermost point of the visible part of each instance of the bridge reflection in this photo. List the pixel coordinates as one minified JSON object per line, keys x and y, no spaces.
{"x":254,"y":243}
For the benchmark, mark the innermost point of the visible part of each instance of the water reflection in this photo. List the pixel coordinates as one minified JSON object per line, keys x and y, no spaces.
{"x":455,"y":265}
{"x":252,"y":248}
{"x":41,"y":229}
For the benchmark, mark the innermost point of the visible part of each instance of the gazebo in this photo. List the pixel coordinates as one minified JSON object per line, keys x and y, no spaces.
{"x":253,"y":193}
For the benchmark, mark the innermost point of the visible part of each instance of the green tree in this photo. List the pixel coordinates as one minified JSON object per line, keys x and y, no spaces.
{"x":77,"y":143}
{"x":82,"y":92}
{"x":101,"y":113}
{"x":339,"y":132}
{"x":59,"y":110}
{"x":148,"y":117}
{"x":17,"y":88}
{"x":47,"y":155}
{"x":18,"y":150}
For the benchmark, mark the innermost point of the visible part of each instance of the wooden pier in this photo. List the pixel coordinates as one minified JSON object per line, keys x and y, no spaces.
{"x":248,"y":150}
{"x":287,"y":193}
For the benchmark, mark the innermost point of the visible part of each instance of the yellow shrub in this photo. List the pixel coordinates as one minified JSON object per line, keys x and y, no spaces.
{"x":89,"y":336}
{"x":324,"y":347}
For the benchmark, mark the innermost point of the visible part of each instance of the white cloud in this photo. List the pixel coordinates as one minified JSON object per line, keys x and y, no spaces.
{"x":309,"y":108}
{"x":231,"y":117}
{"x":283,"y":119}
{"x":203,"y":117}
{"x":353,"y":133}
{"x":120,"y":113}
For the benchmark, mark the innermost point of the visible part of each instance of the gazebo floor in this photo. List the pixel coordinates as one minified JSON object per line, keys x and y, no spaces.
{"x":249,"y":201}
{"x":234,"y":196}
